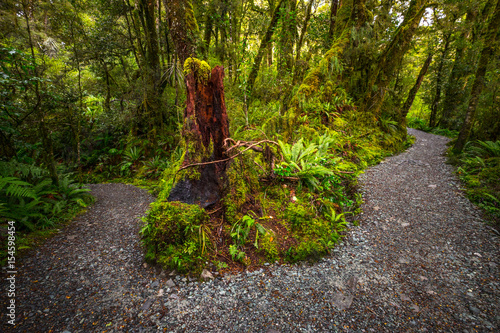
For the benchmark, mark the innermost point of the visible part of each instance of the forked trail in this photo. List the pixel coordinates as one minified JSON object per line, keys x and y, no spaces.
{"x":420,"y":260}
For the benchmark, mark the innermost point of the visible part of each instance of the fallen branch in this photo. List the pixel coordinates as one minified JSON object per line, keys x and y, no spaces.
{"x":232,"y":157}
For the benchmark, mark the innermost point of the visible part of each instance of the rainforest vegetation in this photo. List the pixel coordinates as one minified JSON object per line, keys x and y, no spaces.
{"x":249,"y":120}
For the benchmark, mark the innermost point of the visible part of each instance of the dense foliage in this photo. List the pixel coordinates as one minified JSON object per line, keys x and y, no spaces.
{"x":316,"y":91}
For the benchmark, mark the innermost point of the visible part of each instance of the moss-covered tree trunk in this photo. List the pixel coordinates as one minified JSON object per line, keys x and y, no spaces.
{"x":287,"y":38}
{"x":390,"y":59}
{"x":490,"y":45}
{"x":454,"y":93}
{"x":439,"y":82}
{"x":263,"y":47}
{"x":183,"y":27}
{"x":413,"y":92}
{"x":333,"y":15}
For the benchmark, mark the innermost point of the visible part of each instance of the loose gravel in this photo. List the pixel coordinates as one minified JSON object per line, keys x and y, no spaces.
{"x":421,"y":260}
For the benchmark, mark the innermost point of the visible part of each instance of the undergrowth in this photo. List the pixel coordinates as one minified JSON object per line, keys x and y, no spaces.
{"x":478,"y":167}
{"x":37,"y":207}
{"x":421,"y":124}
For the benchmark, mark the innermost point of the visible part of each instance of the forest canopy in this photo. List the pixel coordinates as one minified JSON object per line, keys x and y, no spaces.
{"x":265,"y":112}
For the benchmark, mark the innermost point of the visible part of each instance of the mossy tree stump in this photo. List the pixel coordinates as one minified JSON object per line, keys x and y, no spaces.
{"x":206,"y":126}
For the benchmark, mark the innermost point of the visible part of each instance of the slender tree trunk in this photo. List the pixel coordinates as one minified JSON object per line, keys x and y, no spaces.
{"x":413,"y":92}
{"x":78,"y":130}
{"x":391,"y":56}
{"x":263,"y":47}
{"x":107,"y":100}
{"x":439,"y":82}
{"x":151,"y":103}
{"x":488,"y":51}
{"x":304,"y":30}
{"x":131,"y":39}
{"x":455,"y":93}
{"x":333,"y":14}
{"x":208,"y":27}
{"x":286,"y":38}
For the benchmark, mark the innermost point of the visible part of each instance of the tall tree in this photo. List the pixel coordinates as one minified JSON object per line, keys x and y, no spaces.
{"x":490,"y":40}
{"x":386,"y":66}
{"x":439,"y":80}
{"x":333,"y":14}
{"x":263,"y":46}
{"x":413,"y":92}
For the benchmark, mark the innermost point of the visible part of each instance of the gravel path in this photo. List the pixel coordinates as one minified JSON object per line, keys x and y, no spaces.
{"x":421,"y":260}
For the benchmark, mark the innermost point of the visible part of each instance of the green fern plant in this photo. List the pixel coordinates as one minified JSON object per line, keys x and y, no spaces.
{"x":303,"y":160}
{"x":484,"y":149}
{"x":70,"y":191}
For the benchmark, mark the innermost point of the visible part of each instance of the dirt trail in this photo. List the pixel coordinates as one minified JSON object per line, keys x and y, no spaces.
{"x":421,"y":260}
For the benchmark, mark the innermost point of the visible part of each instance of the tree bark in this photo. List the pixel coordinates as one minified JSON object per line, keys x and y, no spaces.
{"x":206,"y":126}
{"x":413,"y":92}
{"x":286,"y":38}
{"x":439,"y":82}
{"x":183,"y":27}
{"x":263,"y":47}
{"x":391,"y":56}
{"x":487,"y":52}
{"x":333,"y":15}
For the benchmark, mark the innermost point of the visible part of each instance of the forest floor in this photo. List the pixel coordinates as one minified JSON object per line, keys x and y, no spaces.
{"x":420,"y":260}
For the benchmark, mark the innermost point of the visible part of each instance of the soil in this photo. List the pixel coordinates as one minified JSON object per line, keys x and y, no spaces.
{"x":422,"y":259}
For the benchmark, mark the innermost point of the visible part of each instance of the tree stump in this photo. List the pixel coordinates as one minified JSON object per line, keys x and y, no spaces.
{"x":206,"y":126}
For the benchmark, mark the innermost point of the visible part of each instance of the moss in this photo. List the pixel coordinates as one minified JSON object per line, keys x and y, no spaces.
{"x":190,"y":18}
{"x":269,"y":246}
{"x":243,"y":181}
{"x":172,"y":234}
{"x":170,"y":176}
{"x":199,"y":68}
{"x":307,"y":249}
{"x":236,"y":196}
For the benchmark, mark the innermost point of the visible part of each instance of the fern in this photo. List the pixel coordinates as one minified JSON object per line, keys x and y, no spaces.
{"x":16,"y":187}
{"x":304,"y":160}
{"x":485,"y":149}
{"x":21,"y":170}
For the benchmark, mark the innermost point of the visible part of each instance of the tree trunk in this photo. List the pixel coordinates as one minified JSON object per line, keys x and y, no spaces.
{"x":391,"y":56}
{"x":333,"y":14}
{"x":304,"y":30}
{"x":439,"y":82}
{"x":487,"y":52}
{"x":206,"y":126}
{"x":455,"y":93}
{"x":209,"y":20}
{"x":183,"y":27}
{"x":263,"y":47}
{"x":152,"y":74}
{"x":286,"y":38}
{"x":413,"y":92}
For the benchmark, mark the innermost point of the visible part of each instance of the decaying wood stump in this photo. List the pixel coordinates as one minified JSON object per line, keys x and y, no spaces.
{"x":206,"y":126}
